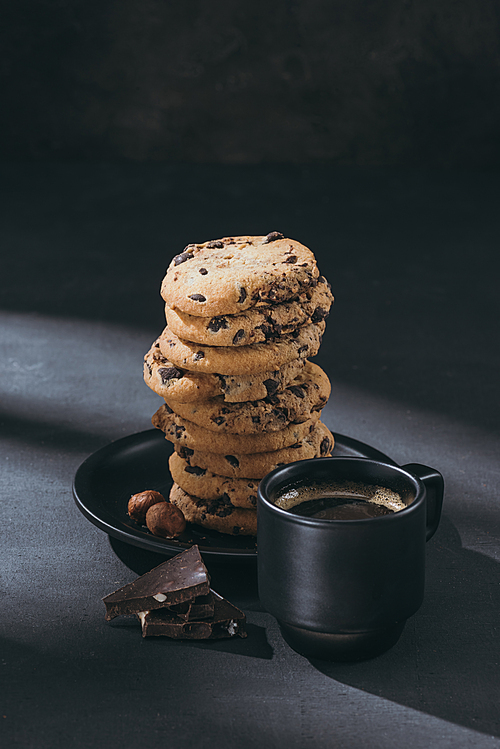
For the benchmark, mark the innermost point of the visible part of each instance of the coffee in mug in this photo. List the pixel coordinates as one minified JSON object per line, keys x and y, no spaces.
{"x":345,"y":500}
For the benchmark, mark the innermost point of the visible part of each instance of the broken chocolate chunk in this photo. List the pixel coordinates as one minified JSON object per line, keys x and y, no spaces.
{"x":227,"y":621}
{"x":215,"y":245}
{"x":177,"y":580}
{"x":291,"y":259}
{"x":197,"y":297}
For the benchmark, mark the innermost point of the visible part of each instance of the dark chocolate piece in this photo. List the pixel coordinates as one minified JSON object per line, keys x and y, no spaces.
{"x":227,"y":621}
{"x":201,"y":607}
{"x":179,"y":579}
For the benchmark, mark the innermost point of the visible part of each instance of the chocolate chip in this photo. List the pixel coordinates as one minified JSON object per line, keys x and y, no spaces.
{"x":178,"y":259}
{"x":238,"y":336}
{"x":232,"y":460}
{"x":168,"y":409}
{"x":216,"y":324}
{"x":218,"y":420}
{"x":271,"y":386}
{"x":256,"y":419}
{"x":252,"y":499}
{"x":291,"y":259}
{"x":273,"y":399}
{"x":273,"y":236}
{"x":220,"y":507}
{"x":296,"y":390}
{"x":271,"y":328}
{"x":319,"y":314}
{"x":215,"y":245}
{"x":296,"y":446}
{"x":197,"y":297}
{"x":325,"y":446}
{"x":185,"y":452}
{"x":243,"y":295}
{"x":203,"y":271}
{"x":199,"y":355}
{"x":196,"y":470}
{"x":169,"y":373}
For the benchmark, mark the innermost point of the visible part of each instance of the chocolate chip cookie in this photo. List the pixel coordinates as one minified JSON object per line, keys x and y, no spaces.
{"x":205,"y":484}
{"x":301,"y":344}
{"x":309,"y":392}
{"x":318,"y":443}
{"x":217,"y":514}
{"x":227,"y":276}
{"x":184,"y":433}
{"x":183,"y":385}
{"x":256,"y":324}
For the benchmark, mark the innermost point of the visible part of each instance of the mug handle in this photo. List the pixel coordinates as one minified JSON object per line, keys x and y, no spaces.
{"x":434,"y":485}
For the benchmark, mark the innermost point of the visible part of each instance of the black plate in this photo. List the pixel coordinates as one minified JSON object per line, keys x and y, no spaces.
{"x":105,"y":481}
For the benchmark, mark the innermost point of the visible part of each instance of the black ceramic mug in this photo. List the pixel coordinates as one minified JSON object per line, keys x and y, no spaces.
{"x":343,"y":589}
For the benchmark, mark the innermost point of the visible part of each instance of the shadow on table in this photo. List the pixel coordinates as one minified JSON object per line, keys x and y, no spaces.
{"x":446,"y":663}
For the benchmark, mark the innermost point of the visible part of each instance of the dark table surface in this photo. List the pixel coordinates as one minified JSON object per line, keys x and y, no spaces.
{"x":412,"y":352}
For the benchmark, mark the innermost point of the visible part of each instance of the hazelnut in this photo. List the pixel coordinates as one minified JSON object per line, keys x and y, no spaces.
{"x":165,"y":520}
{"x":139,"y":504}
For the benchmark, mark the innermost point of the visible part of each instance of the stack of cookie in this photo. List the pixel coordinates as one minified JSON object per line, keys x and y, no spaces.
{"x":244,"y":314}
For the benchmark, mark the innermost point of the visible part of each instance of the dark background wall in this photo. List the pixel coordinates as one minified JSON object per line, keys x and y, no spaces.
{"x":364,"y":82}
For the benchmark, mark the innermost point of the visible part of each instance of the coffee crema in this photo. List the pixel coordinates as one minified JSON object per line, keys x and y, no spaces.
{"x":339,"y":500}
